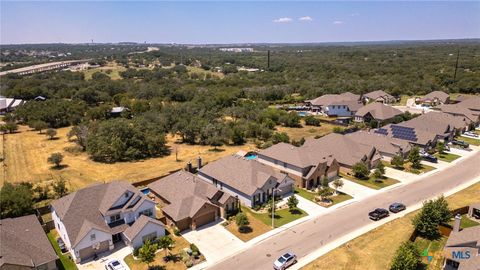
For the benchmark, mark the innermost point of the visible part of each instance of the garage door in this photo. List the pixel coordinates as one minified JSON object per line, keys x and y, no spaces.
{"x":90,"y":251}
{"x":205,"y":219}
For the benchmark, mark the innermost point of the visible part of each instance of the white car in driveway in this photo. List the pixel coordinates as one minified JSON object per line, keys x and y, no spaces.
{"x":471,"y":134}
{"x":114,"y":264}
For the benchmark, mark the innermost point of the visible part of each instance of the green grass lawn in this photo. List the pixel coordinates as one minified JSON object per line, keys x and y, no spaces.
{"x":448,"y":157}
{"x":435,"y":248}
{"x":370,"y":182}
{"x":341,"y":197}
{"x":465,"y":222}
{"x":471,"y":141}
{"x":282,"y":216}
{"x":65,"y":262}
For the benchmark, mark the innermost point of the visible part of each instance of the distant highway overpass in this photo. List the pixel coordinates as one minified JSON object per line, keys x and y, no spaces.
{"x":43,"y":67}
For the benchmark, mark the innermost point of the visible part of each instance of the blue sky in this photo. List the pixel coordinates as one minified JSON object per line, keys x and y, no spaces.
{"x":235,"y":22}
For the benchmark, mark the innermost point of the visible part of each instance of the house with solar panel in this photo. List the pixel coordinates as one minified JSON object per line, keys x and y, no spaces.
{"x":417,"y":137}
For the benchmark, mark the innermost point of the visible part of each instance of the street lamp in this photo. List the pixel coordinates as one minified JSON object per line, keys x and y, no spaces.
{"x":273,"y":206}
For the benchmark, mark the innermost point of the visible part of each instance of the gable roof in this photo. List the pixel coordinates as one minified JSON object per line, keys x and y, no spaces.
{"x":244,"y":175}
{"x":440,"y":95}
{"x":381,"y":142}
{"x":379,"y":94}
{"x":142,"y":221}
{"x":421,"y":136}
{"x":84,"y":210}
{"x":23,"y":242}
{"x":456,"y":109}
{"x":434,"y":122}
{"x":378,"y":111}
{"x":345,"y":150}
{"x":334,"y":99}
{"x":186,"y":194}
{"x":472,"y":103}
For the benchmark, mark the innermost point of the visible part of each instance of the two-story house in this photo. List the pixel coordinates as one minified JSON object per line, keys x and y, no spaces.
{"x":250,"y":181}
{"x":341,"y":105}
{"x":91,"y":220}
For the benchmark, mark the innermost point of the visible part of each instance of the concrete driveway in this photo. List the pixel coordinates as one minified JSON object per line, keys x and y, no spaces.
{"x":310,"y":207}
{"x":355,"y":190}
{"x":401,"y":176}
{"x":118,"y":253}
{"x":214,"y":241}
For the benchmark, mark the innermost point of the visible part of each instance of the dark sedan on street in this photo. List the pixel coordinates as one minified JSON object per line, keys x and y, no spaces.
{"x":397,"y":207}
{"x":378,"y":214}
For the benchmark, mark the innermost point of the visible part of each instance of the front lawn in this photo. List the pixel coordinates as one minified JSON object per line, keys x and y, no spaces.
{"x":370,"y":182}
{"x":432,"y":248}
{"x":469,"y":140}
{"x":178,"y":250}
{"x":341,"y":197}
{"x":282,"y":216}
{"x":466,"y":222}
{"x":254,"y":229}
{"x":407,"y":167}
{"x":448,"y":157}
{"x":65,"y":263}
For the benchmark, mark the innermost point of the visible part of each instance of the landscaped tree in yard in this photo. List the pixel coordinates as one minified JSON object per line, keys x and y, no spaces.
{"x":324,"y":182}
{"x":60,"y":187}
{"x":146,"y":253}
{"x":377,"y":174}
{"x":381,"y":167}
{"x":360,"y":170}
{"x":242,"y":221}
{"x":432,"y":214}
{"x":55,"y":158}
{"x":397,"y":161}
{"x":292,"y":203}
{"x":166,"y":243}
{"x":325,"y":194}
{"x":38,"y":125}
{"x":16,"y":200}
{"x":414,"y":157}
{"x":406,"y":257}
{"x":337,"y":183}
{"x":441,"y":147}
{"x":51,"y":133}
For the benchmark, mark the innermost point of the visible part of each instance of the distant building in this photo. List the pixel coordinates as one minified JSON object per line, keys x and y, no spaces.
{"x":9,"y":104}
{"x":341,"y":105}
{"x":24,"y":245}
{"x":378,"y":96}
{"x":434,"y":98}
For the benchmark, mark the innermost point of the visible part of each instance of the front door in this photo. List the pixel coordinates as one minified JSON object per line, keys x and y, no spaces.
{"x":117,"y":237}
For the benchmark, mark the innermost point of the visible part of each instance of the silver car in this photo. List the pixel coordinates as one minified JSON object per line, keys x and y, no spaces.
{"x":114,"y":264}
{"x":285,"y":261}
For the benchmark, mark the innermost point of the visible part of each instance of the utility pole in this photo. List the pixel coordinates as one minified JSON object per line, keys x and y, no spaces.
{"x":456,"y":66}
{"x":268,"y":59}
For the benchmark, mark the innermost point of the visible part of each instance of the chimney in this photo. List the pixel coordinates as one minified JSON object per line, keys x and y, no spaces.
{"x":199,"y":163}
{"x":189,"y":167}
{"x":456,"y":225}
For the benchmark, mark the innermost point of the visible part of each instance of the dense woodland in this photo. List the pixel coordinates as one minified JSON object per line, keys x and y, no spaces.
{"x":163,"y":95}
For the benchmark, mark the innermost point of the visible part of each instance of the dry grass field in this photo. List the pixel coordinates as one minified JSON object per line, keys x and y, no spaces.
{"x":375,"y":249}
{"x":306,"y":131}
{"x":112,"y":69}
{"x":26,"y":154}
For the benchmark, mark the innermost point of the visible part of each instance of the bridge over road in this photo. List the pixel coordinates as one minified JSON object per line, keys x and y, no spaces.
{"x":43,"y":67}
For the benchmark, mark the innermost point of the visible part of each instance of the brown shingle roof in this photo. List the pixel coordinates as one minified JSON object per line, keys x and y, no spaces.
{"x":440,"y":95}
{"x":381,"y":142}
{"x":472,"y":103}
{"x":380,"y":94}
{"x":378,"y":111}
{"x":422,"y":137}
{"x":244,"y":175}
{"x":455,"y":109}
{"x":23,"y":242}
{"x":333,"y":99}
{"x":85,"y":209}
{"x":132,"y":231}
{"x":289,"y":154}
{"x":434,"y":122}
{"x":186,"y":194}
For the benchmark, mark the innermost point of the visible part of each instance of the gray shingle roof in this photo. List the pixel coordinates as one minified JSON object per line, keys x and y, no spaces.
{"x":378,"y":111}
{"x":381,"y":142}
{"x":434,"y":122}
{"x":23,"y":242}
{"x":244,"y":175}
{"x":380,"y":94}
{"x":142,"y":221}
{"x":85,"y":209}
{"x":334,"y":99}
{"x":440,"y":95}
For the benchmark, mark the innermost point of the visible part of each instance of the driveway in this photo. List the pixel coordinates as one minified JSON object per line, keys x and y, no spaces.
{"x":214,"y":241}
{"x":401,"y":176}
{"x":355,"y":190}
{"x":439,"y":165}
{"x":119,"y":253}
{"x":310,"y":207}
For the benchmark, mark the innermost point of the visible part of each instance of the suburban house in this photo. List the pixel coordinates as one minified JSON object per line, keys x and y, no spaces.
{"x":341,"y":105}
{"x":346,"y":151}
{"x":9,"y":104}
{"x":24,"y":245}
{"x":189,"y":202}
{"x":376,"y":111}
{"x":306,"y":167}
{"x":378,"y":96}
{"x":474,"y":210}
{"x":462,"y":250}
{"x":94,"y":219}
{"x":248,"y":180}
{"x":415,"y":136}
{"x":441,"y":124}
{"x":388,"y":147}
{"x":434,"y":98}
{"x":468,"y":108}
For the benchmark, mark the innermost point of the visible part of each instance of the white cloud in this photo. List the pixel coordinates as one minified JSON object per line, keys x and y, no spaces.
{"x":354,"y":14}
{"x":337,"y":22}
{"x":282,"y":20}
{"x":306,"y":18}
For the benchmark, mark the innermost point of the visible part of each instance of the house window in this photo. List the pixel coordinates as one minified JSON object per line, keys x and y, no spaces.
{"x":115,"y":218}
{"x":147,"y":213}
{"x":92,"y":237}
{"x":126,"y":194}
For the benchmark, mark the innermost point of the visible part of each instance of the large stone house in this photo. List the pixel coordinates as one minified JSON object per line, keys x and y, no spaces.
{"x":250,"y":181}
{"x":306,"y":167}
{"x":189,"y":202}
{"x":93,"y":219}
{"x":24,"y":245}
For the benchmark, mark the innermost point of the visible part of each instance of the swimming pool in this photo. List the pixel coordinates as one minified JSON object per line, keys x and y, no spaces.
{"x":302,"y":113}
{"x":145,"y":191}
{"x":251,"y":156}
